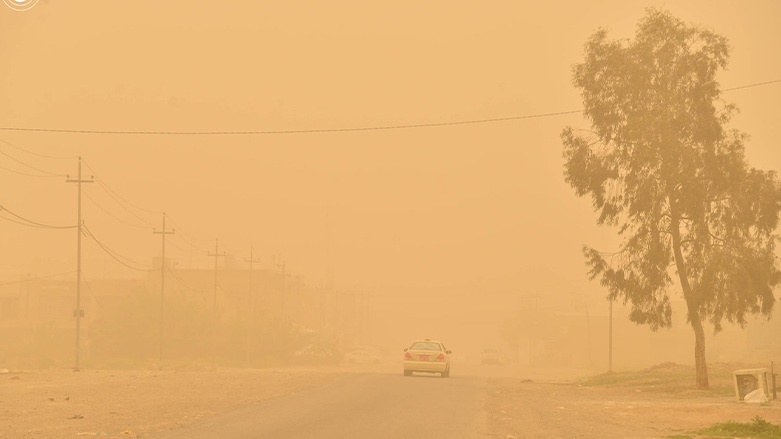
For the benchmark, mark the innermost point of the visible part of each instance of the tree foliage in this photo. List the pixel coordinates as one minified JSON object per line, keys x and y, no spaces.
{"x":660,"y":164}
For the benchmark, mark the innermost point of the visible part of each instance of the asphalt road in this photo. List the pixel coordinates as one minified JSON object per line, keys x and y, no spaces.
{"x":359,"y":405}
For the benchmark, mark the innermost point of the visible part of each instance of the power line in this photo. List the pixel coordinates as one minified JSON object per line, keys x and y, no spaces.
{"x":53,"y":174}
{"x":35,"y":153}
{"x":86,"y":283}
{"x":303,"y":131}
{"x":119,"y":200}
{"x":116,"y":256}
{"x":33,"y":223}
{"x":31,"y":279}
{"x":112,"y":215}
{"x":103,"y":184}
{"x":108,"y":189}
{"x":190,"y":236}
{"x":26,"y":174}
{"x":228,"y":249}
{"x":331,"y":130}
{"x":183,"y":236}
{"x":186,"y":250}
{"x":116,"y":197}
{"x":757,"y":84}
{"x":22,"y":223}
{"x":171,"y":272}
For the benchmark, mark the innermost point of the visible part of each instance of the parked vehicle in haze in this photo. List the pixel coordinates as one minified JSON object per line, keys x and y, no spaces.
{"x":362,"y":356}
{"x":492,"y":356}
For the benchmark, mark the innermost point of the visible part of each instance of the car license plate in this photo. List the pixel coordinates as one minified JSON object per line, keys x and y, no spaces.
{"x":424,"y":358}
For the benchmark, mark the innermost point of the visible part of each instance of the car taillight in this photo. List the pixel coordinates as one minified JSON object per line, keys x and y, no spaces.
{"x":407,"y":356}
{"x":441,"y":357}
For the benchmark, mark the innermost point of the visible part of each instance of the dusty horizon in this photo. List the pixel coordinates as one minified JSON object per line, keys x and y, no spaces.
{"x":472,"y":221}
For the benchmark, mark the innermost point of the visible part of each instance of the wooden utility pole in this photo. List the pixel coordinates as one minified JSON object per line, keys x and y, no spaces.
{"x":250,"y":304}
{"x":215,"y":255}
{"x":162,"y":284}
{"x":78,"y":313}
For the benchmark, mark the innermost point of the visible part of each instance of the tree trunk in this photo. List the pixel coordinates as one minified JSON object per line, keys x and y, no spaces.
{"x":700,"y":365}
{"x":691,"y":301}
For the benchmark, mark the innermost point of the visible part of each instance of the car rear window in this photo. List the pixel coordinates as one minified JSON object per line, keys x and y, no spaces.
{"x":425,"y":346}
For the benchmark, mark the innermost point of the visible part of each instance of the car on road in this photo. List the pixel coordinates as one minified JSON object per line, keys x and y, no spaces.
{"x":427,"y":355}
{"x":314,"y":353}
{"x":492,"y":356}
{"x":362,"y":356}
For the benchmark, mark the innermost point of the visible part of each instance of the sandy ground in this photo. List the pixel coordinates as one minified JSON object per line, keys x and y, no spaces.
{"x":518,"y":404}
{"x":133,"y":404}
{"x":545,"y":407}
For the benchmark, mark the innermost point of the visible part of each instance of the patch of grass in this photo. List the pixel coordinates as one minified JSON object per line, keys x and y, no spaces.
{"x":670,"y":378}
{"x":758,"y":428}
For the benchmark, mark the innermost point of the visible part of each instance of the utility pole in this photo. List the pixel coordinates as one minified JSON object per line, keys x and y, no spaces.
{"x":532,"y":329}
{"x":359,"y":320}
{"x":78,"y":313}
{"x":250,"y":303}
{"x":367,"y":323}
{"x":162,"y":284}
{"x":337,"y":318}
{"x":588,"y":334}
{"x":216,"y":255}
{"x":282,"y":292}
{"x":610,"y":339}
{"x":322,"y":309}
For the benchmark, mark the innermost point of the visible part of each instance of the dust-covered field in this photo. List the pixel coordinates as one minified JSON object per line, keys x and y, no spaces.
{"x":659,"y":402}
{"x":133,"y":404}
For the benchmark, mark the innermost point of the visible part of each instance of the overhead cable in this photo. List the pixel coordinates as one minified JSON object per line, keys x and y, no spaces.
{"x":116,"y":256}
{"x":31,"y":222}
{"x":330,"y":130}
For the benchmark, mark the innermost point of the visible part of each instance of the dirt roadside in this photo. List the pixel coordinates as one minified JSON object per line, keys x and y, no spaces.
{"x":61,"y":404}
{"x":636,"y":409}
{"x":133,"y":404}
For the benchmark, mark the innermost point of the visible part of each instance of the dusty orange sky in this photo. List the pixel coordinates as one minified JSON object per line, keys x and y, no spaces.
{"x":478,"y":213}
